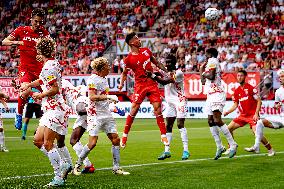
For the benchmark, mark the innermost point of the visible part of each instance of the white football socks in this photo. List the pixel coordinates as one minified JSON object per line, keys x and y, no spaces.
{"x":54,"y":159}
{"x":170,"y":138}
{"x":2,"y":138}
{"x":78,"y":147}
{"x":184,"y":138}
{"x":43,"y":150}
{"x":215,"y":133}
{"x":65,"y":155}
{"x":115,"y":156}
{"x":258,"y":133}
{"x":84,"y":153}
{"x":228,"y":135}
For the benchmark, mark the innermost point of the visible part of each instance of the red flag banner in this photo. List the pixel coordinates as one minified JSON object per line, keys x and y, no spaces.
{"x":194,"y":89}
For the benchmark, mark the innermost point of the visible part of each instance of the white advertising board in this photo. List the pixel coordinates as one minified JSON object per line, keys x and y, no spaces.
{"x":195,"y":109}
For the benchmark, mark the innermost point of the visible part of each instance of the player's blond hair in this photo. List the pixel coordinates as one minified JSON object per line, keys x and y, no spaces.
{"x":280,"y":72}
{"x":99,"y":63}
{"x":46,"y":47}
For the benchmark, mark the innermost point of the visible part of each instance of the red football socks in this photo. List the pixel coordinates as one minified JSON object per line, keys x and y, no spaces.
{"x":161,"y":124}
{"x":128,"y":124}
{"x":21,"y":105}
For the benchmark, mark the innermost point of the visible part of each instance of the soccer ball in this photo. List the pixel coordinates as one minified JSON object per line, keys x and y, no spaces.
{"x":212,"y":14}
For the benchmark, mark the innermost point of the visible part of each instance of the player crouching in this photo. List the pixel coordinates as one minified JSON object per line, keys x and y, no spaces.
{"x":99,"y":116}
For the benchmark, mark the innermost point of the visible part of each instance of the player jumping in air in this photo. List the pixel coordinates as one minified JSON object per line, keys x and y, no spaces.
{"x":144,"y":86}
{"x":31,"y":63}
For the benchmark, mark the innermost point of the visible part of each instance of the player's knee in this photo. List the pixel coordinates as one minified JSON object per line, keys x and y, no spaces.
{"x":48,"y":145}
{"x":92,"y":144}
{"x":218,"y":121}
{"x":115,"y":141}
{"x":38,"y":144}
{"x":60,"y":144}
{"x":180,"y":123}
{"x":169,"y":128}
{"x":211,"y":123}
{"x":73,"y":141}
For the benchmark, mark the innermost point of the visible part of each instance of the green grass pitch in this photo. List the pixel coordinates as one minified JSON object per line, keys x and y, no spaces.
{"x":26,"y":167}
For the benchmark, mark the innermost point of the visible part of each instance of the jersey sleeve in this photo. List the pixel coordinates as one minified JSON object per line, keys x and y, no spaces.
{"x":255,"y":93}
{"x":149,"y":52}
{"x":16,"y":33}
{"x":235,"y":97}
{"x":179,"y":77}
{"x":51,"y":76}
{"x":211,"y":64}
{"x":277,"y":96}
{"x":93,"y":84}
{"x":126,"y":63}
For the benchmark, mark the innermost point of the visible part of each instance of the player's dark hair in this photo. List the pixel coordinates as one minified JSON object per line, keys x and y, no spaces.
{"x":213,"y":52}
{"x":38,"y":12}
{"x":46,"y":47}
{"x":129,"y":37}
{"x":243,"y":71}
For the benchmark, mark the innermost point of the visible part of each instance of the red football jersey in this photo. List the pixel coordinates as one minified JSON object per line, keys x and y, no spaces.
{"x":136,"y":62}
{"x":28,"y":51}
{"x":246,"y":98}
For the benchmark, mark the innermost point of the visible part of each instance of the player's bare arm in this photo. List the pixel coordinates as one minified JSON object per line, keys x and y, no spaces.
{"x":160,"y":79}
{"x":95,"y":97}
{"x":211,"y":74}
{"x":3,"y":101}
{"x":158,"y":64}
{"x":123,"y":77}
{"x":277,"y":105}
{"x":201,"y":70}
{"x":54,"y":89}
{"x":258,"y":107}
{"x":233,"y":108}
{"x":29,"y":85}
{"x":8,"y":41}
{"x":4,"y":96}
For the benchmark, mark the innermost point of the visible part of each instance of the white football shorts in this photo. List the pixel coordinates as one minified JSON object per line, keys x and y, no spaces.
{"x":106,"y":124}
{"x":176,"y":109}
{"x":55,"y":120}
{"x":215,"y":101}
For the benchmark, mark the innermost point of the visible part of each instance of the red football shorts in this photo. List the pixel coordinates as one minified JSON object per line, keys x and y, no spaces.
{"x":152,"y":92}
{"x":243,"y":120}
{"x":28,"y":76}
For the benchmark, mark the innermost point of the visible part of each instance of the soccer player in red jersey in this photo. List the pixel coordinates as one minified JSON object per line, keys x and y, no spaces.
{"x":31,"y":64}
{"x":248,"y":102}
{"x":144,"y":85}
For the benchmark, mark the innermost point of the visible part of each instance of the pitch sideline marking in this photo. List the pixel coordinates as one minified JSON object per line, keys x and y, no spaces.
{"x":146,"y":164}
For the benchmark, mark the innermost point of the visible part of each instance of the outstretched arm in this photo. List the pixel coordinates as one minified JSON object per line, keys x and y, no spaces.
{"x":158,"y":64}
{"x":233,"y":108}
{"x":122,"y":78}
{"x":159,"y":79}
{"x":8,"y":41}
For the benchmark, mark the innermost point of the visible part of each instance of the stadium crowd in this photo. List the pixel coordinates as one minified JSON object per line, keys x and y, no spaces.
{"x":249,"y":35}
{"x":83,"y":29}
